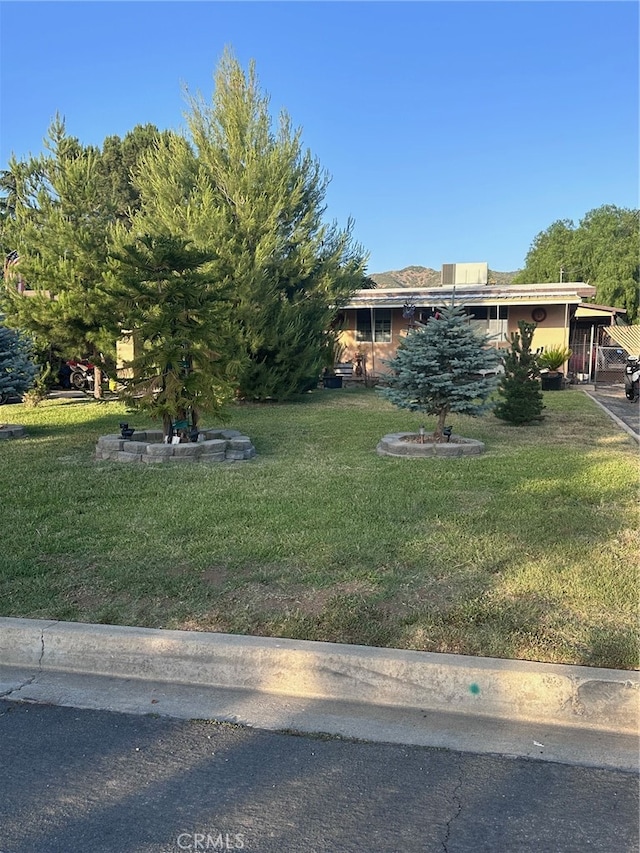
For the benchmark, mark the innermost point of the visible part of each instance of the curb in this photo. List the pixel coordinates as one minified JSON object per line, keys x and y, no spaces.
{"x":575,"y":697}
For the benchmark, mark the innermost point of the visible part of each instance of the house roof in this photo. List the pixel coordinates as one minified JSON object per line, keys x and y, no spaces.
{"x":563,"y":293}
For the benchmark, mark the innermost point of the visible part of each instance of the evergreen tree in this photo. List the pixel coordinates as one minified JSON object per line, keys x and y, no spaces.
{"x":251,"y":194}
{"x":57,"y":213}
{"x":607,"y":244}
{"x":551,"y":256}
{"x":437,"y":369}
{"x":8,"y":199}
{"x":175,"y":297}
{"x":59,"y":232}
{"x":117,"y":163}
{"x":520,"y":385}
{"x":18,"y":370}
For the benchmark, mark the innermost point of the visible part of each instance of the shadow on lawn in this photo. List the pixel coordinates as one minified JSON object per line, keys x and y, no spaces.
{"x":99,"y":417}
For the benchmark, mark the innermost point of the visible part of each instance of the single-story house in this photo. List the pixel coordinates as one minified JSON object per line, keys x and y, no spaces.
{"x":374,"y":321}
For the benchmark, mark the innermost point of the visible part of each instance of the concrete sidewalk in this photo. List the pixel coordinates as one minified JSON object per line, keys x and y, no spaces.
{"x":572,"y":714}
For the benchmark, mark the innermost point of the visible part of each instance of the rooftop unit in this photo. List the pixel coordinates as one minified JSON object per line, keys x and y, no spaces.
{"x":455,"y":274}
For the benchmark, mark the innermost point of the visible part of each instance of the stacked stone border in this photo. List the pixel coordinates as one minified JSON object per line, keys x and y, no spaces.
{"x":213,"y":445}
{"x":12,"y":431}
{"x":394,"y":444}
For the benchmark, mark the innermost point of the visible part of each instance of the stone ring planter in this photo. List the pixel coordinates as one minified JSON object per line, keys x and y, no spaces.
{"x":12,"y":431}
{"x":213,"y":445}
{"x":406,"y":444}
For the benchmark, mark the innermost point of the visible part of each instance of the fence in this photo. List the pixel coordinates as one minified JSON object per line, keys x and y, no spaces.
{"x":610,"y":361}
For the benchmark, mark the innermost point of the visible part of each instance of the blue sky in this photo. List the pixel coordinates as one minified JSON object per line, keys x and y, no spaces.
{"x":453,"y":131}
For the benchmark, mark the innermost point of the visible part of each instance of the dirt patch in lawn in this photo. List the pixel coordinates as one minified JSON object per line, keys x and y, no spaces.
{"x":304,"y":600}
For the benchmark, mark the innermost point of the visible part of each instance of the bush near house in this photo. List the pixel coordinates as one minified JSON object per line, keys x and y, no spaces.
{"x":521,"y":395}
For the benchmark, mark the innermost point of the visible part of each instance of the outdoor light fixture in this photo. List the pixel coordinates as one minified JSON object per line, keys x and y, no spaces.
{"x":447,"y":431}
{"x":421,"y":433}
{"x":126,"y":431}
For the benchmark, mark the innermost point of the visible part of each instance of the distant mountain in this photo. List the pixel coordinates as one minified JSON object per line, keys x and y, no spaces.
{"x":426,"y":277}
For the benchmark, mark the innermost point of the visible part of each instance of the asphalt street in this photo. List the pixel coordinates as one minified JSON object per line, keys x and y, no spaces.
{"x":75,"y":780}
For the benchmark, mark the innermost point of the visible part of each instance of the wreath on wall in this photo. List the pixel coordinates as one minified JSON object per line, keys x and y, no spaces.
{"x":538,"y":315}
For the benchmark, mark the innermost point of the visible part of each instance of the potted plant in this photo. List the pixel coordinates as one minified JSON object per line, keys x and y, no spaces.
{"x":331,"y":375}
{"x":550,"y":362}
{"x":329,"y":378}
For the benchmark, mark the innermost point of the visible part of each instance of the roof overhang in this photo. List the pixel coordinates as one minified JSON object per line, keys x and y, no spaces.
{"x":567,"y":293}
{"x":588,"y":309}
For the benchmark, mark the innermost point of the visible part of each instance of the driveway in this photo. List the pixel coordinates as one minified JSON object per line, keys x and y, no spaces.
{"x":621,"y":410}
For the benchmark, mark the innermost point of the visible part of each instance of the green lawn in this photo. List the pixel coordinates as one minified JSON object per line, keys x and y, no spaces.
{"x":529,"y":551}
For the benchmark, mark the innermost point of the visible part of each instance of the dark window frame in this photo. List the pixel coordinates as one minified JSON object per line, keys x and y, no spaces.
{"x":382,"y":325}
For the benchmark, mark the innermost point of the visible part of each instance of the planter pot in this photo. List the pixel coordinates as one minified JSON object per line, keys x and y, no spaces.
{"x":552,"y":381}
{"x":332,"y":382}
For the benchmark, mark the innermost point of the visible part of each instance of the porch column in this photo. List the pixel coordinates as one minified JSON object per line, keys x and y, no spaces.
{"x":373,"y":340}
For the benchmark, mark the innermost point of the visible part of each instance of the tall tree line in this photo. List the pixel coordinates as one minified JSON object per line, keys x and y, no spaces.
{"x":603,"y":249}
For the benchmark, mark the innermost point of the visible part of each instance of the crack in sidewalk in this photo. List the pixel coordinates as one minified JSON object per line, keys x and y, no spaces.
{"x":7,"y":694}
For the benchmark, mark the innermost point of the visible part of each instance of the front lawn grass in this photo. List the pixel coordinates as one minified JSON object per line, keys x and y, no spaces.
{"x":529,"y":551}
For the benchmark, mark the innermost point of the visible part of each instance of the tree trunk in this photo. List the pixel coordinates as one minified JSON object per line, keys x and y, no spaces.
{"x":97,"y":382}
{"x":167,"y":426}
{"x":442,"y":417}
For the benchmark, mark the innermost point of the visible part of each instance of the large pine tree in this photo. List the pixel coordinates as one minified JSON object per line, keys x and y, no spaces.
{"x":57,"y":214}
{"x":175,"y":298}
{"x":60,"y":229}
{"x":251,"y":193}
{"x":443,"y":367}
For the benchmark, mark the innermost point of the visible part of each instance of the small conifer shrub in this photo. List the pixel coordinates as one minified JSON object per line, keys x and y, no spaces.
{"x":520,"y":388}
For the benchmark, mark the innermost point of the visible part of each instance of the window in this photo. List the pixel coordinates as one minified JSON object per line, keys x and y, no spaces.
{"x":478,"y":312}
{"x":498,"y":312}
{"x":487,"y":312}
{"x":382,"y":324}
{"x":363,"y":324}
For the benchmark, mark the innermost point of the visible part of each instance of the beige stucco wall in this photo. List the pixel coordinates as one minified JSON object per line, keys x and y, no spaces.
{"x":553,"y":331}
{"x":127,"y":348}
{"x":375,"y":354}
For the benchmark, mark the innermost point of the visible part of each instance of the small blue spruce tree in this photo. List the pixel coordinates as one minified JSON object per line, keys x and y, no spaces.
{"x":440,"y":367}
{"x":17,"y":368}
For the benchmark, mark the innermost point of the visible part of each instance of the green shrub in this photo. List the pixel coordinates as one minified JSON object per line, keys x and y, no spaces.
{"x":553,"y":358}
{"x":520,"y":387}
